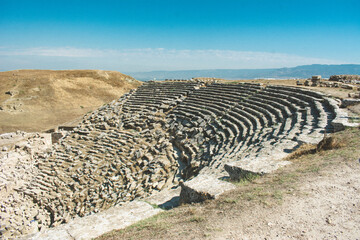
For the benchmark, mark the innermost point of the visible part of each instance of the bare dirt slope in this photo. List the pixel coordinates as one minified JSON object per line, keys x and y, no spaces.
{"x":328,"y":208}
{"x":36,"y":100}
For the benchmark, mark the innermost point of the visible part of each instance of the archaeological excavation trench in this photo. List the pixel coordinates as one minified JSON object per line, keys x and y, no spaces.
{"x":158,"y":135}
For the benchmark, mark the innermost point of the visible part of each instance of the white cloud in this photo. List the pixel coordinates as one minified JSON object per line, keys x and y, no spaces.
{"x":53,"y":52}
{"x":154,"y":59}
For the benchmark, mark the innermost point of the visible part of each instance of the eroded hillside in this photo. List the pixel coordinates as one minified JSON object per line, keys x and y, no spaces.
{"x":36,"y":100}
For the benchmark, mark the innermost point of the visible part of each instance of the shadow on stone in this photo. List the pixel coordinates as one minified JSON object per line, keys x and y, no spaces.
{"x":173,"y":202}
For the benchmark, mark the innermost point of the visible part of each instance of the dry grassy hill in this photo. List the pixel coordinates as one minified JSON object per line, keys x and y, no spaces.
{"x":36,"y":100}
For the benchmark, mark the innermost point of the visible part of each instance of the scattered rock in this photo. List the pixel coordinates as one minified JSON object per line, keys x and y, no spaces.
{"x":344,"y":78}
{"x":12,"y":92}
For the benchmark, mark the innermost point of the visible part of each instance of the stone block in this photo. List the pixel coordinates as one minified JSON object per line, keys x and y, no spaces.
{"x":95,"y":225}
{"x":203,"y":187}
{"x":245,"y":168}
{"x":349,"y":102}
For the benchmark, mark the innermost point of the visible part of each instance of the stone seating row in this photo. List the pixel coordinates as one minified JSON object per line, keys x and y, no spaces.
{"x":250,"y":114}
{"x":83,"y":174}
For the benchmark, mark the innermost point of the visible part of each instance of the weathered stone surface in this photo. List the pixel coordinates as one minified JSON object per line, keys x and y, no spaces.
{"x":203,"y":187}
{"x":165,"y":199}
{"x":92,"y":226}
{"x":245,"y":168}
{"x":51,"y":234}
{"x":354,"y":95}
{"x":344,"y":78}
{"x":349,"y":102}
{"x":341,"y":120}
{"x":348,"y":86}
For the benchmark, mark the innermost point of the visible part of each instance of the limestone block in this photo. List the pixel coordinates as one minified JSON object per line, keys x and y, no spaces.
{"x":95,"y":225}
{"x":165,"y":199}
{"x":349,"y":102}
{"x":253,"y":166}
{"x":51,"y":234}
{"x":203,"y":187}
{"x":341,"y":119}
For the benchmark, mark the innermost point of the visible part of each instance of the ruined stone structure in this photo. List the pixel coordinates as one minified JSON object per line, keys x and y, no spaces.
{"x":344,"y":78}
{"x":159,"y":134}
{"x":315,"y":80}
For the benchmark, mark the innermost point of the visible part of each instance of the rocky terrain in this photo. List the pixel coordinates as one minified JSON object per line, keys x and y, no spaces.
{"x":344,"y":78}
{"x":152,"y":138}
{"x":18,"y":166}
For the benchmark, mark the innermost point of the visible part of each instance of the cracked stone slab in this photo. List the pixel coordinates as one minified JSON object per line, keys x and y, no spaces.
{"x":259,"y":164}
{"x":166,"y":199}
{"x":313,"y":138}
{"x":92,"y":226}
{"x":203,"y":187}
{"x":253,"y":166}
{"x":58,"y":233}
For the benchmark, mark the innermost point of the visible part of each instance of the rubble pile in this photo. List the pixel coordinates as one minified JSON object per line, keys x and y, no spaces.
{"x":344,"y":78}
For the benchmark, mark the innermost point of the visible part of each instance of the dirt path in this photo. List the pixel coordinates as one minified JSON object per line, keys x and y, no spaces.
{"x":329,"y":208}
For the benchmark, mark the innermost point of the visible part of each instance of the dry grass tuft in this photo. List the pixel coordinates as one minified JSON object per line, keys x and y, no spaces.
{"x":328,"y":143}
{"x":304,"y":149}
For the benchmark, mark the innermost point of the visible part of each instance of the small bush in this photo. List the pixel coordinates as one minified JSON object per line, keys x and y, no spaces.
{"x":327,"y":143}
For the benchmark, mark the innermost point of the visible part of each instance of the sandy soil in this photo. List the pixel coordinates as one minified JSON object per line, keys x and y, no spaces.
{"x":329,"y":208}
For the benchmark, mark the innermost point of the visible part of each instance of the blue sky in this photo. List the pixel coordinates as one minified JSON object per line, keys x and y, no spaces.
{"x":143,"y":35}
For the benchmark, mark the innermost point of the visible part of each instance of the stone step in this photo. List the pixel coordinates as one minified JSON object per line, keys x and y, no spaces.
{"x":95,"y":225}
{"x":253,"y":166}
{"x":203,"y":187}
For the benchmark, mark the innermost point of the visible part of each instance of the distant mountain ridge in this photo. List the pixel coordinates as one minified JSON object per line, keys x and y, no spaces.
{"x":304,"y":71}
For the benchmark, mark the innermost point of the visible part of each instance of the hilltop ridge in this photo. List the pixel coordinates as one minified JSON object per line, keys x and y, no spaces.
{"x":35,"y":100}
